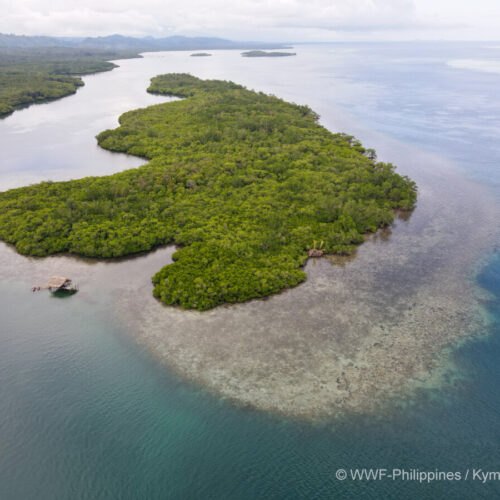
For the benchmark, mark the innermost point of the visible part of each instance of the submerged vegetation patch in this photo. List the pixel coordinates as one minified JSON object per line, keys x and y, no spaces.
{"x":243,"y":182}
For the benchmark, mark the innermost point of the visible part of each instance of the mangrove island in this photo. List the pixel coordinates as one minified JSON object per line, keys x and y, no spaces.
{"x":263,"y":53}
{"x":244,"y":183}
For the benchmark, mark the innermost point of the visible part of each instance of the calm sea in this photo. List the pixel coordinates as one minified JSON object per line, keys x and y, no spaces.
{"x":87,"y":413}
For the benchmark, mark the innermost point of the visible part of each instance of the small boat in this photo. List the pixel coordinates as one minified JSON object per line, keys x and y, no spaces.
{"x":61,"y":286}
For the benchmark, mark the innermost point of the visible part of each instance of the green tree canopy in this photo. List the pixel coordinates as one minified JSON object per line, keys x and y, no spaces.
{"x":244,"y":183}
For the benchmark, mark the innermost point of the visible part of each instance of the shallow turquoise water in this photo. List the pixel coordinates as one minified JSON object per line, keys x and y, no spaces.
{"x":86,"y":413}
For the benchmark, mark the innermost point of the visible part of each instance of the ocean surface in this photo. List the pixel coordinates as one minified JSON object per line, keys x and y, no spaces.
{"x":87,"y":412}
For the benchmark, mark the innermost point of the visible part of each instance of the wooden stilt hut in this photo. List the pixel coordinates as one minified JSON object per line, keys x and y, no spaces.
{"x":59,"y":284}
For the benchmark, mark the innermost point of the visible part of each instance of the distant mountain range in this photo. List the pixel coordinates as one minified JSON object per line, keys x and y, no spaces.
{"x":120,"y":42}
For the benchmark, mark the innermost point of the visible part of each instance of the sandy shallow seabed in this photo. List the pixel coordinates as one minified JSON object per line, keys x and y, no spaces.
{"x":360,"y":332}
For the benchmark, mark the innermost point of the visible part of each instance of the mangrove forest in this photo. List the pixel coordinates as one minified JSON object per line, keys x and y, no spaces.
{"x":35,"y":75}
{"x":263,"y":53}
{"x":244,"y":183}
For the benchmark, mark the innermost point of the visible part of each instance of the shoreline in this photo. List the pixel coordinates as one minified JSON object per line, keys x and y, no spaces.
{"x":400,"y":305}
{"x":76,"y":76}
{"x":359,"y":336}
{"x":300,"y":355}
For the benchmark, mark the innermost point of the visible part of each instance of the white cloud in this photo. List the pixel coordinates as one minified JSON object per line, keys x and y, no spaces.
{"x":289,"y":20}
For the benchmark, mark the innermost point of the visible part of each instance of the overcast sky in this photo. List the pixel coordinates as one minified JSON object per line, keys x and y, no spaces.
{"x":273,"y":20}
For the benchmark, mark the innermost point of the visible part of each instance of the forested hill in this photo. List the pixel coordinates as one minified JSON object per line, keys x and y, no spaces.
{"x":141,"y":44}
{"x":245,"y":183}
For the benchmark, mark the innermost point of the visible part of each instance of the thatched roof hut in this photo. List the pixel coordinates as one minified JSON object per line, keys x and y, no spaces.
{"x":58,"y":282}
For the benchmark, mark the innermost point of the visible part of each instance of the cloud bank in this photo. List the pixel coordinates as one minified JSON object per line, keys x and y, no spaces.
{"x":273,"y":20}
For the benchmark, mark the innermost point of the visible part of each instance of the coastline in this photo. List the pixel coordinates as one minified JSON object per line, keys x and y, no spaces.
{"x":274,"y":354}
{"x":343,"y":342}
{"x":76,"y":371}
{"x":358,"y":336}
{"x":79,"y":83}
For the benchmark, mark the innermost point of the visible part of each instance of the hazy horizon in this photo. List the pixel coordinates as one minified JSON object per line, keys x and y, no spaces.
{"x":266,"y":21}
{"x":277,"y":43}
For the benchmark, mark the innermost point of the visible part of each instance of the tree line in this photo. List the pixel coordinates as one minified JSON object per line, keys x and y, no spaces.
{"x":243,"y":182}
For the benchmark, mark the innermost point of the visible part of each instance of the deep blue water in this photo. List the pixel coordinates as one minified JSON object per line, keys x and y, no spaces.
{"x":86,"y":413}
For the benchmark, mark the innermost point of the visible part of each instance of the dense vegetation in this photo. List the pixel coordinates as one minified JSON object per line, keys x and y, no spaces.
{"x":243,"y":182}
{"x":129,"y":43}
{"x":36,"y":75}
{"x":263,"y":53}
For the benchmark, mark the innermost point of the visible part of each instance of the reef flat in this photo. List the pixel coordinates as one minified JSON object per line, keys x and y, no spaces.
{"x":361,"y":333}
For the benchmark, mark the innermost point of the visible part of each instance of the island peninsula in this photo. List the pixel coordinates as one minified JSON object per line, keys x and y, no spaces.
{"x":244,"y":183}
